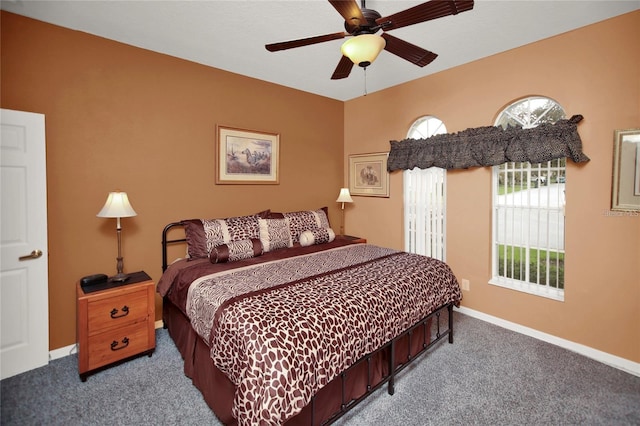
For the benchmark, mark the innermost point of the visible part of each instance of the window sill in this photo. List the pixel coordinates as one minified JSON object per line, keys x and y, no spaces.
{"x":524,"y":287}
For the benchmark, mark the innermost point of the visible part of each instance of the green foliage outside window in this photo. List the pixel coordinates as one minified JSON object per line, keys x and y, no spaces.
{"x":539,"y":262}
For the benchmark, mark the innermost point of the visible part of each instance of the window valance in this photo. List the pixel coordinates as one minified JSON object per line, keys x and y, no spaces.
{"x":490,"y":146}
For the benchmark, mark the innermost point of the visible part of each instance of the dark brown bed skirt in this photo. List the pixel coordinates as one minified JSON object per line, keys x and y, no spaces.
{"x":329,"y":403}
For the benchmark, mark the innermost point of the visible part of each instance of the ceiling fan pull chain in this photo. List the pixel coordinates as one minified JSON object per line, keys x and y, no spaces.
{"x":365,"y":80}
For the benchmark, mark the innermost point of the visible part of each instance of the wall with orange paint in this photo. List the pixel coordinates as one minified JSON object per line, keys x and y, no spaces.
{"x":593,"y":71}
{"x":120,"y":117}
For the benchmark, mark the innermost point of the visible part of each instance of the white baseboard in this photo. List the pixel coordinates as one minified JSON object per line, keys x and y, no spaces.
{"x":62,"y":352}
{"x":603,"y":357}
{"x":72,"y":349}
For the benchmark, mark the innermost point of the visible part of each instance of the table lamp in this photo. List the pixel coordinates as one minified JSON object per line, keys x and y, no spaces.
{"x":344,"y":197}
{"x":118,"y":206}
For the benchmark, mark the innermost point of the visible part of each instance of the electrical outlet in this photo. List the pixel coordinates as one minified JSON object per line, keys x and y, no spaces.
{"x":465,"y":285}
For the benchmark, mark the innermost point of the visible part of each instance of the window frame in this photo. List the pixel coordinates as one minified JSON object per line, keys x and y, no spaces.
{"x":534,"y":252}
{"x":425,"y":210}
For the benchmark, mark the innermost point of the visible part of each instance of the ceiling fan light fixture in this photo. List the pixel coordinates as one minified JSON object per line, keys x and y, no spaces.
{"x":363,"y":49}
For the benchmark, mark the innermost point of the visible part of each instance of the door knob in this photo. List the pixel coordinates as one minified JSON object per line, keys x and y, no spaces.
{"x":34,"y":255}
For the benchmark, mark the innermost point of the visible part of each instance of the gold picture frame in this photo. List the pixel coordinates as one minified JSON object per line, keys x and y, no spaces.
{"x":368,"y":175}
{"x":247,"y":157}
{"x":625,"y":192}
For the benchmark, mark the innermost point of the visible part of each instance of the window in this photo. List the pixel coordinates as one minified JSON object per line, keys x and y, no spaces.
{"x":425,"y":199}
{"x":528,"y":211}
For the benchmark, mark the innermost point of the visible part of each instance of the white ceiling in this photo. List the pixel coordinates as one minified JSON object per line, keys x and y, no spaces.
{"x":231,"y":35}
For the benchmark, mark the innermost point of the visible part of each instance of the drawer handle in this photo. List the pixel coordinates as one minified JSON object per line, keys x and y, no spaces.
{"x":115,"y":347}
{"x":125,"y":312}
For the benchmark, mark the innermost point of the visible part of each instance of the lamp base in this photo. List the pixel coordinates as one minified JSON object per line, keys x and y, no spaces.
{"x":119,"y":278}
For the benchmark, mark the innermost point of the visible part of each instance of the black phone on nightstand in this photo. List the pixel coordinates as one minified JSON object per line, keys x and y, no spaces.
{"x":93,"y":280}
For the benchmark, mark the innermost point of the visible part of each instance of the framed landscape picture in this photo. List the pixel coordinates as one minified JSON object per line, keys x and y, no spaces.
{"x":246,"y":156}
{"x":368,"y":175}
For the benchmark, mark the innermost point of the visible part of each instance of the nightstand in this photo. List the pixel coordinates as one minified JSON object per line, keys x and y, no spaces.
{"x":351,"y":238}
{"x":115,"y":321}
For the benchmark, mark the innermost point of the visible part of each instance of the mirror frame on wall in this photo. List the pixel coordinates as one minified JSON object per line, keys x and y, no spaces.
{"x":625,"y":193}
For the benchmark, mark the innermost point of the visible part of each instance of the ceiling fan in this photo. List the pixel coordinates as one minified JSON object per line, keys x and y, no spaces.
{"x":363,"y":23}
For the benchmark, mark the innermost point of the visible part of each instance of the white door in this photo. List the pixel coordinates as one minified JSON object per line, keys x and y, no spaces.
{"x":24,"y":301}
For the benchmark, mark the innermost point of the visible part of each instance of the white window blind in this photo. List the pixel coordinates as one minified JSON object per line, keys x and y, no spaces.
{"x":425,"y":211}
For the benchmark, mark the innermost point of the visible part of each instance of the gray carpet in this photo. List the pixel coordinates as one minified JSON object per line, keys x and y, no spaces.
{"x":489,"y":376}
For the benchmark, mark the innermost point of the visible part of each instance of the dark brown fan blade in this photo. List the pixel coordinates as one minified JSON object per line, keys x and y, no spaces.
{"x":343,"y":69}
{"x":410,"y":52}
{"x":350,"y":11}
{"x":274,"y":47}
{"x":424,"y":12}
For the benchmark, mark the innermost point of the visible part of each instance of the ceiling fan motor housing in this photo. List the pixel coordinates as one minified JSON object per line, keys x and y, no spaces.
{"x":355,"y":27}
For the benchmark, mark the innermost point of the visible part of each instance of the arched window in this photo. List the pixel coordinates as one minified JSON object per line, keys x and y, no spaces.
{"x":528,"y":211}
{"x":425,"y":199}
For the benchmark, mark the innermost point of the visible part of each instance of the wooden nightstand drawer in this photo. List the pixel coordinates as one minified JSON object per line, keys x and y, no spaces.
{"x":117,"y":311}
{"x":114,"y":345}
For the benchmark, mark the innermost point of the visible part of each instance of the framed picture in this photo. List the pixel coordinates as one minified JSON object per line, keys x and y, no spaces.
{"x":246,"y":156}
{"x":368,"y":175}
{"x":625,"y":194}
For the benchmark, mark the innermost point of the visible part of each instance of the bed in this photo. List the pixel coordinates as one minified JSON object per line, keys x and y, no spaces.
{"x":280,"y":321}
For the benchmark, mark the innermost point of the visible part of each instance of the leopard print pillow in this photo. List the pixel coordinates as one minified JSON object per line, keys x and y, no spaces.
{"x":306,"y":220}
{"x":203,"y":235}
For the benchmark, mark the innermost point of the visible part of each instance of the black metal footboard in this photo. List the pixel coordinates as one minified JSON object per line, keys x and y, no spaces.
{"x":393,"y":369}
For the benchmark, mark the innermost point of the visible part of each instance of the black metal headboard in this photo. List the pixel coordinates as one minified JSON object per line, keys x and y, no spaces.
{"x":166,"y":242}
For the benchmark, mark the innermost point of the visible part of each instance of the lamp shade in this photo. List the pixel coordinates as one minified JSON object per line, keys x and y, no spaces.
{"x":363,"y":49}
{"x":117,"y":205}
{"x":345,"y":196}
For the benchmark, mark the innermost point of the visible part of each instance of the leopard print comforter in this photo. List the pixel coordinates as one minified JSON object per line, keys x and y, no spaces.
{"x":282,"y":330}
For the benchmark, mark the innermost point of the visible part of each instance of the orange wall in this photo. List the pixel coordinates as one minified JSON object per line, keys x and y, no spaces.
{"x":119,"y":117}
{"x":593,"y":71}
